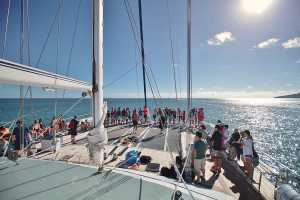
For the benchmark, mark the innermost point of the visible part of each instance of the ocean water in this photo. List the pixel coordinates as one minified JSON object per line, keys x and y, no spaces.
{"x":274,"y":123}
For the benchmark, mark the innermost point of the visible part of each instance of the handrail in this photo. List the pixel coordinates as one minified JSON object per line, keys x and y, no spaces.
{"x":277,"y":174}
{"x":284,"y":166}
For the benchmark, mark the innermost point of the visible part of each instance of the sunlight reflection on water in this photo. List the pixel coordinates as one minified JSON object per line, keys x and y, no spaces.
{"x":275,"y":126}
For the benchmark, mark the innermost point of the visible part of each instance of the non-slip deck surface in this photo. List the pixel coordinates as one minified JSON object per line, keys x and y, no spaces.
{"x":154,"y":145}
{"x":41,"y":179}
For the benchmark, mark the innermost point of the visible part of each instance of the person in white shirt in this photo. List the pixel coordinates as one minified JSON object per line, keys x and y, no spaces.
{"x":247,"y":143}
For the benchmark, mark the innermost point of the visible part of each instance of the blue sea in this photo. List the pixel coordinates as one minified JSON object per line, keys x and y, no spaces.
{"x":274,"y":123}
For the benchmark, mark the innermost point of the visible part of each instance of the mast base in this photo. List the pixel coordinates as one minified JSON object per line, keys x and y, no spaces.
{"x":97,"y":139}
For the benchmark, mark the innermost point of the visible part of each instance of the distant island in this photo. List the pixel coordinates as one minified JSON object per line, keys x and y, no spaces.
{"x":290,"y":96}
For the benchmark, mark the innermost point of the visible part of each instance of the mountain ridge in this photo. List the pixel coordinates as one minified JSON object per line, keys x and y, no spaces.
{"x":297,"y":95}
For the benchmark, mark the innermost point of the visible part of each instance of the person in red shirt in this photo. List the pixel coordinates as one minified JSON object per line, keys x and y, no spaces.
{"x":135,"y":120}
{"x":200,"y":115}
{"x":146,"y":112}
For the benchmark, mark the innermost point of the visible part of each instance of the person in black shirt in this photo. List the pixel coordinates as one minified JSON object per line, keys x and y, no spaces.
{"x":41,"y":123}
{"x":21,"y":136}
{"x":235,"y":145}
{"x":73,"y":129}
{"x":216,"y":141}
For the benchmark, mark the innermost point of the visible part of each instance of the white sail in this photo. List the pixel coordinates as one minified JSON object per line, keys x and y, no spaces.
{"x":19,"y":74}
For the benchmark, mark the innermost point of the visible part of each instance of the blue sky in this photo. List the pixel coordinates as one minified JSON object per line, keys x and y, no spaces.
{"x":235,"y":53}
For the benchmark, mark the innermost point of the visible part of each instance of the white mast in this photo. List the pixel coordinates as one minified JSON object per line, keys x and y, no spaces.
{"x":187,"y":137}
{"x":98,"y":136}
{"x":189,"y":10}
{"x":97,"y":61}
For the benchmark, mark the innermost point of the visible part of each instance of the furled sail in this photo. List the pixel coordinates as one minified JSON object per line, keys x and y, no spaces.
{"x":19,"y":74}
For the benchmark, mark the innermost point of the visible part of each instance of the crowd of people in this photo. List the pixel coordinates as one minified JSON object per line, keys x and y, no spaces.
{"x":21,"y":136}
{"x":161,"y":116}
{"x":238,"y":145}
{"x":220,"y":142}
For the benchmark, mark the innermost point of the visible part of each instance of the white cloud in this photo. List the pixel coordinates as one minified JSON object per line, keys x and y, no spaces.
{"x":289,"y":85}
{"x":292,"y":43}
{"x":250,"y":87}
{"x":221,"y":38}
{"x":268,"y":43}
{"x":216,"y":87}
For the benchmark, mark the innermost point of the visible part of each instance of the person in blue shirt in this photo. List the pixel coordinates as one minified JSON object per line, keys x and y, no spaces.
{"x":17,"y":136}
{"x":199,"y":151}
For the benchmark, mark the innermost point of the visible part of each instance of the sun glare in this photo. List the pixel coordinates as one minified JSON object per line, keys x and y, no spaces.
{"x":256,"y":6}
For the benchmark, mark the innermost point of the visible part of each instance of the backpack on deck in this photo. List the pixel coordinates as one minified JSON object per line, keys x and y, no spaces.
{"x":145,"y":159}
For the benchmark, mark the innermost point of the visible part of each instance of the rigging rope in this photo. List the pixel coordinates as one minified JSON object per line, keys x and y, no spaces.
{"x":172,"y":49}
{"x":139,"y":148}
{"x":57,"y":53}
{"x":132,"y":23}
{"x":73,"y":41}
{"x":154,"y":80}
{"x":73,"y":37}
{"x":6,"y":30}
{"x":27,"y":32}
{"x":177,"y":171}
{"x":119,"y":77}
{"x":137,"y":75}
{"x":75,"y":104}
{"x":48,"y":36}
{"x":132,"y":16}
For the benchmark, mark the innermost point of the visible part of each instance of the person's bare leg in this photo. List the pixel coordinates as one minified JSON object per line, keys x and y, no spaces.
{"x":249,"y":168}
{"x":203,"y":173}
{"x":73,"y":139}
{"x":219,"y":165}
{"x":251,"y":172}
{"x":215,"y":165}
{"x":246,"y":167}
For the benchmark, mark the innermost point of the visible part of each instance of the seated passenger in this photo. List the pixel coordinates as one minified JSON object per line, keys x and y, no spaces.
{"x":87,"y":123}
{"x":36,"y":126}
{"x":49,"y":133}
{"x":82,"y":126}
{"x":4,"y":133}
{"x":41,"y":124}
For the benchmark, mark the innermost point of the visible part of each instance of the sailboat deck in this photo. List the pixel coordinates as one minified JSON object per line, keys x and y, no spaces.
{"x":42,"y":179}
{"x":154,"y":146}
